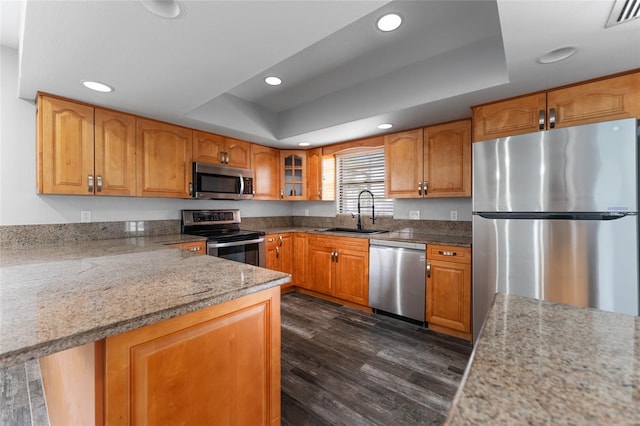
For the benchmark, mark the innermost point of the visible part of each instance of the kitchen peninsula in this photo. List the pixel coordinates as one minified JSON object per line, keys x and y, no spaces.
{"x":128,"y":315}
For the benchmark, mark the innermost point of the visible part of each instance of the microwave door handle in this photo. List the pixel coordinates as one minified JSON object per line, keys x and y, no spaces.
{"x":235,"y":243}
{"x":241,"y":185}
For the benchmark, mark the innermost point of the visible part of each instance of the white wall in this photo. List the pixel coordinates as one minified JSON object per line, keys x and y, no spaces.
{"x":21,"y":205}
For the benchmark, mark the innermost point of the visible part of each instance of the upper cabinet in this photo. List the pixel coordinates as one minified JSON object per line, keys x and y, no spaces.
{"x":293,"y":181}
{"x":314,"y":174}
{"x":600,"y":100}
{"x":84,"y":150}
{"x":266,"y":172}
{"x":164,"y":159}
{"x":216,"y":149}
{"x":429,"y":163}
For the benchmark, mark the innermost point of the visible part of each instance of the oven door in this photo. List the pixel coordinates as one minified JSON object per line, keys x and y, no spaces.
{"x":247,"y":251}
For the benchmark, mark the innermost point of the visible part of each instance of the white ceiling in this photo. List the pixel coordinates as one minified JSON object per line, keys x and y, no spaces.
{"x":341,"y":75}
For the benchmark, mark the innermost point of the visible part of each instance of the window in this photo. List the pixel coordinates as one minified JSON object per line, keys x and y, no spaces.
{"x":357,"y":172}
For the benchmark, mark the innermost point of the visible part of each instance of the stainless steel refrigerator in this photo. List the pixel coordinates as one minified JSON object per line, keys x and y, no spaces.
{"x":555,"y":217}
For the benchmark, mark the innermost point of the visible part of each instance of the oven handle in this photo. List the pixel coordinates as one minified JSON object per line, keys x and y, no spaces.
{"x":241,"y":185}
{"x":235,"y":243}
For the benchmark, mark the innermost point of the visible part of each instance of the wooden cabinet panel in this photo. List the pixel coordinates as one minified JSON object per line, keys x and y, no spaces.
{"x":293,"y":172}
{"x":208,"y":147}
{"x":608,"y":99}
{"x":299,"y":259}
{"x":352,"y":275}
{"x":163,"y":159}
{"x":266,"y":172}
{"x":448,"y":296}
{"x":447,"y":160}
{"x":314,"y":174}
{"x":279,"y":249}
{"x":219,"y":365}
{"x":115,"y":153}
{"x":403,"y":164}
{"x":199,"y":247}
{"x":238,"y":153}
{"x":65,"y":144}
{"x":509,"y":117}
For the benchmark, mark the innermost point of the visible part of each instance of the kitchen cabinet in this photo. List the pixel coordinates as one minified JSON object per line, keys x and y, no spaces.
{"x":293,"y":172}
{"x":266,"y":172}
{"x":199,"y":247}
{"x":429,"y":163}
{"x":299,"y":259}
{"x":84,"y":150}
{"x":164,"y":157}
{"x":339,"y":267}
{"x":279,"y":248}
{"x":448,"y":295}
{"x":216,"y":149}
{"x":218,"y":365}
{"x":583,"y":103}
{"x":314,"y":174}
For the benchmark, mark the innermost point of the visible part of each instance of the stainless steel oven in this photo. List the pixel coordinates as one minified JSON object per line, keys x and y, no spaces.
{"x":225,"y":239}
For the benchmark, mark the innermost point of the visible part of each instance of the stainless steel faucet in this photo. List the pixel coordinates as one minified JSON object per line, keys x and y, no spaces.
{"x":373,"y":209}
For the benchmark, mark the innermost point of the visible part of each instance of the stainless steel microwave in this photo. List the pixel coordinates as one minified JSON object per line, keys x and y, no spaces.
{"x":211,"y":181}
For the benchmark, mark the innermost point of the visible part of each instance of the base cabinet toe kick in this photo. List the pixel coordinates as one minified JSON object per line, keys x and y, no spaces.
{"x":218,"y":365}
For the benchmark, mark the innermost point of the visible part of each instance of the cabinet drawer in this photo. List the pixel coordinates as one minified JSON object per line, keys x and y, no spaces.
{"x":449,"y":253}
{"x":195,"y":246}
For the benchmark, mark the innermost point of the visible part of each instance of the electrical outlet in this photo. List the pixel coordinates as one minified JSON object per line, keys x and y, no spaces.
{"x":85,"y":216}
{"x":306,"y":212}
{"x":414,"y":214}
{"x":454,"y":214}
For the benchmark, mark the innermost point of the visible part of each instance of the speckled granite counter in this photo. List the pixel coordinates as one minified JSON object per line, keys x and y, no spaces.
{"x":546,"y":363}
{"x":406,"y":235}
{"x":54,"y":297}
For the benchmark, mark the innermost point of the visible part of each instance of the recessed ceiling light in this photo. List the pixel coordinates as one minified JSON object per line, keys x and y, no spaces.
{"x":385,"y":126}
{"x":557,"y":55}
{"x":304,"y":144}
{"x":389,"y":22}
{"x":97,"y":86}
{"x":273,"y":81}
{"x":163,"y":8}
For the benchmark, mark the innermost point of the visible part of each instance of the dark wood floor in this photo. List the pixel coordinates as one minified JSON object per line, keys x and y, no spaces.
{"x":341,"y":366}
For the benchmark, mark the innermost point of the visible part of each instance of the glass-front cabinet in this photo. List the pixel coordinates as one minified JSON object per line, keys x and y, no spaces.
{"x":293,"y":183}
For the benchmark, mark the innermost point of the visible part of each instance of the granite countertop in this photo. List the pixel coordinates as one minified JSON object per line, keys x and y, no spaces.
{"x":405,"y":235}
{"x":54,"y":297}
{"x":546,"y":363}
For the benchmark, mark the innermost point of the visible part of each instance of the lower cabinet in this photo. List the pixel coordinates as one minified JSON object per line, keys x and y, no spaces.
{"x":448,"y":303}
{"x":339,"y":267}
{"x":299,"y":259}
{"x":218,"y":365}
{"x":279,"y":249}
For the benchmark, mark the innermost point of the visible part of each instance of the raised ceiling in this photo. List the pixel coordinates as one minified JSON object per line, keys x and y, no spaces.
{"x":341,"y":76}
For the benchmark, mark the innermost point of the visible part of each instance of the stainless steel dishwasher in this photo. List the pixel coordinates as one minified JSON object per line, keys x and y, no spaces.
{"x":397,"y":278}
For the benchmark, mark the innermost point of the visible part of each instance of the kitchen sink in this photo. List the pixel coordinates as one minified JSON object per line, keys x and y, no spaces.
{"x":353,"y":231}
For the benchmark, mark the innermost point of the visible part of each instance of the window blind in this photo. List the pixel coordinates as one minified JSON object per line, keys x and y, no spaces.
{"x":356,"y":173}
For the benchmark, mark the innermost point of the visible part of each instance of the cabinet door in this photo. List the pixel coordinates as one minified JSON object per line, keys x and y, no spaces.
{"x":238,"y":153}
{"x":403,"y":164}
{"x":352,"y":275}
{"x":447,"y":160}
{"x":115,"y":153}
{"x":293,"y":169}
{"x":285,"y":245}
{"x":510,"y":117}
{"x":610,"y":99}
{"x":219,"y":365}
{"x":449,"y":295}
{"x":299,"y":259}
{"x":65,"y":147}
{"x":320,"y":265}
{"x":270,"y":246}
{"x":164,"y":159}
{"x":208,"y":147}
{"x":314,"y":174}
{"x":266,"y":172}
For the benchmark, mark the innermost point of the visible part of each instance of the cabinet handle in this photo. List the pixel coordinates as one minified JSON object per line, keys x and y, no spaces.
{"x":447,"y":253}
{"x":277,"y":251}
{"x":90,"y":179}
{"x":428,"y":270}
{"x":320,"y":193}
{"x":281,"y":194}
{"x":552,"y":118}
{"x":419,"y":188}
{"x":226,"y":158}
{"x":333,"y":256}
{"x":541,"y":120}
{"x":270,"y":240}
{"x":281,"y":240}
{"x":337,"y":253}
{"x":194,"y":249}
{"x":221,"y":157}
{"x":99,"y":179}
{"x":425,"y":187}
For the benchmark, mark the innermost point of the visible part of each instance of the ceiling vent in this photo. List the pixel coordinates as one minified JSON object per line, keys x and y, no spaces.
{"x":623,"y":11}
